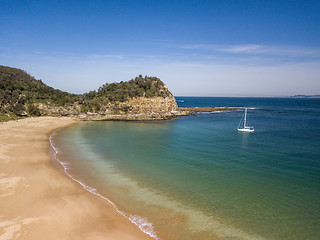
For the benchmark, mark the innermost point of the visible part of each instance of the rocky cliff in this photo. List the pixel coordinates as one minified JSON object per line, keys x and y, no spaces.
{"x":137,"y":108}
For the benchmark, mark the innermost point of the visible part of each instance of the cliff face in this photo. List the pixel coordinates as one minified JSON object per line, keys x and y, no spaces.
{"x":140,"y":108}
{"x":155,"y":104}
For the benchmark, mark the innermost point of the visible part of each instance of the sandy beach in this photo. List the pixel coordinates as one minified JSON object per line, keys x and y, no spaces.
{"x":39,"y":202}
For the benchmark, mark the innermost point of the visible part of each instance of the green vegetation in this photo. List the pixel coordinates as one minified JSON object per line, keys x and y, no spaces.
{"x":138,"y":87}
{"x":21,"y":95}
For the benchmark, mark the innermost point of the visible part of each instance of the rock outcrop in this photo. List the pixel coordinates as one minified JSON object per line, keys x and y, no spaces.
{"x":140,"y":108}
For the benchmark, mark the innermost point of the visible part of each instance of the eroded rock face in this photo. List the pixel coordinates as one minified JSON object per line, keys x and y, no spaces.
{"x":143,"y":105}
{"x":140,"y":108}
{"x":48,"y":110}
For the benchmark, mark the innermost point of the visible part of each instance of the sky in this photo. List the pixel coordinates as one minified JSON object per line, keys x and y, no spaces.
{"x":231,"y":48}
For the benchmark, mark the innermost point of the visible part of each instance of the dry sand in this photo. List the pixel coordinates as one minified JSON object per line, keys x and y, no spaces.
{"x":39,"y":202}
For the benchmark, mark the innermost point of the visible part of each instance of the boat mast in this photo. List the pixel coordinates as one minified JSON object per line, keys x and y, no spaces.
{"x":245,"y":118}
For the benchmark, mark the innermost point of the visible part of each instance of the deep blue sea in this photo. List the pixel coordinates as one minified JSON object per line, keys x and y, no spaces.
{"x":197,"y":177}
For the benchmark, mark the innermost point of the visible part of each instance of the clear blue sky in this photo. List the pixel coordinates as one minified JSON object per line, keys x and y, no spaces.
{"x":198,"y":48}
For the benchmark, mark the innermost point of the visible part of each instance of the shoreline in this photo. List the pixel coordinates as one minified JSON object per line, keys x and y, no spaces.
{"x":140,"y":222}
{"x":37,"y":200}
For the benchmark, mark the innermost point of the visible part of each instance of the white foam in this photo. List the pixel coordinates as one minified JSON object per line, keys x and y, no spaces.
{"x":143,"y":223}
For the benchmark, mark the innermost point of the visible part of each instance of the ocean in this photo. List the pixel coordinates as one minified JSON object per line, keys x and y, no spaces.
{"x":197,"y":177}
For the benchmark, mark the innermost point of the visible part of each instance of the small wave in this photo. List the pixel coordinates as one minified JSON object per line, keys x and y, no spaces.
{"x":143,"y":223}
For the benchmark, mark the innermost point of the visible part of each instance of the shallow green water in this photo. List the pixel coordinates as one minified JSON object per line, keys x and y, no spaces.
{"x":196,"y":177}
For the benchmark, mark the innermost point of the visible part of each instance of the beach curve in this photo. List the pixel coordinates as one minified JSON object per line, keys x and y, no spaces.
{"x":142,"y":223}
{"x":36,"y":200}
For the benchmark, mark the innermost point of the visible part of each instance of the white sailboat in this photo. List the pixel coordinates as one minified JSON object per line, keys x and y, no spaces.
{"x":242,"y":125}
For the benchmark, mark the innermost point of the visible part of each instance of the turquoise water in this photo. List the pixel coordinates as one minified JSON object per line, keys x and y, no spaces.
{"x":196,"y":177}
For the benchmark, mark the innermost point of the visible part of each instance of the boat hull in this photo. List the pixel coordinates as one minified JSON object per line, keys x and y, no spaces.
{"x":246,"y":130}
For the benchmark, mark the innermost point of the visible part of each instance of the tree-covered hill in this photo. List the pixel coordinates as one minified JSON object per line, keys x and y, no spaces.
{"x":22,"y":95}
{"x":147,"y":87}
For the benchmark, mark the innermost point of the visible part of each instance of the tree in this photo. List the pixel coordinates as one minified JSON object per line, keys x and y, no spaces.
{"x":33,"y":110}
{"x":19,"y":109}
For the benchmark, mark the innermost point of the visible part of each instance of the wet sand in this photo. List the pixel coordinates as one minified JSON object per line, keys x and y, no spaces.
{"x":39,"y":202}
